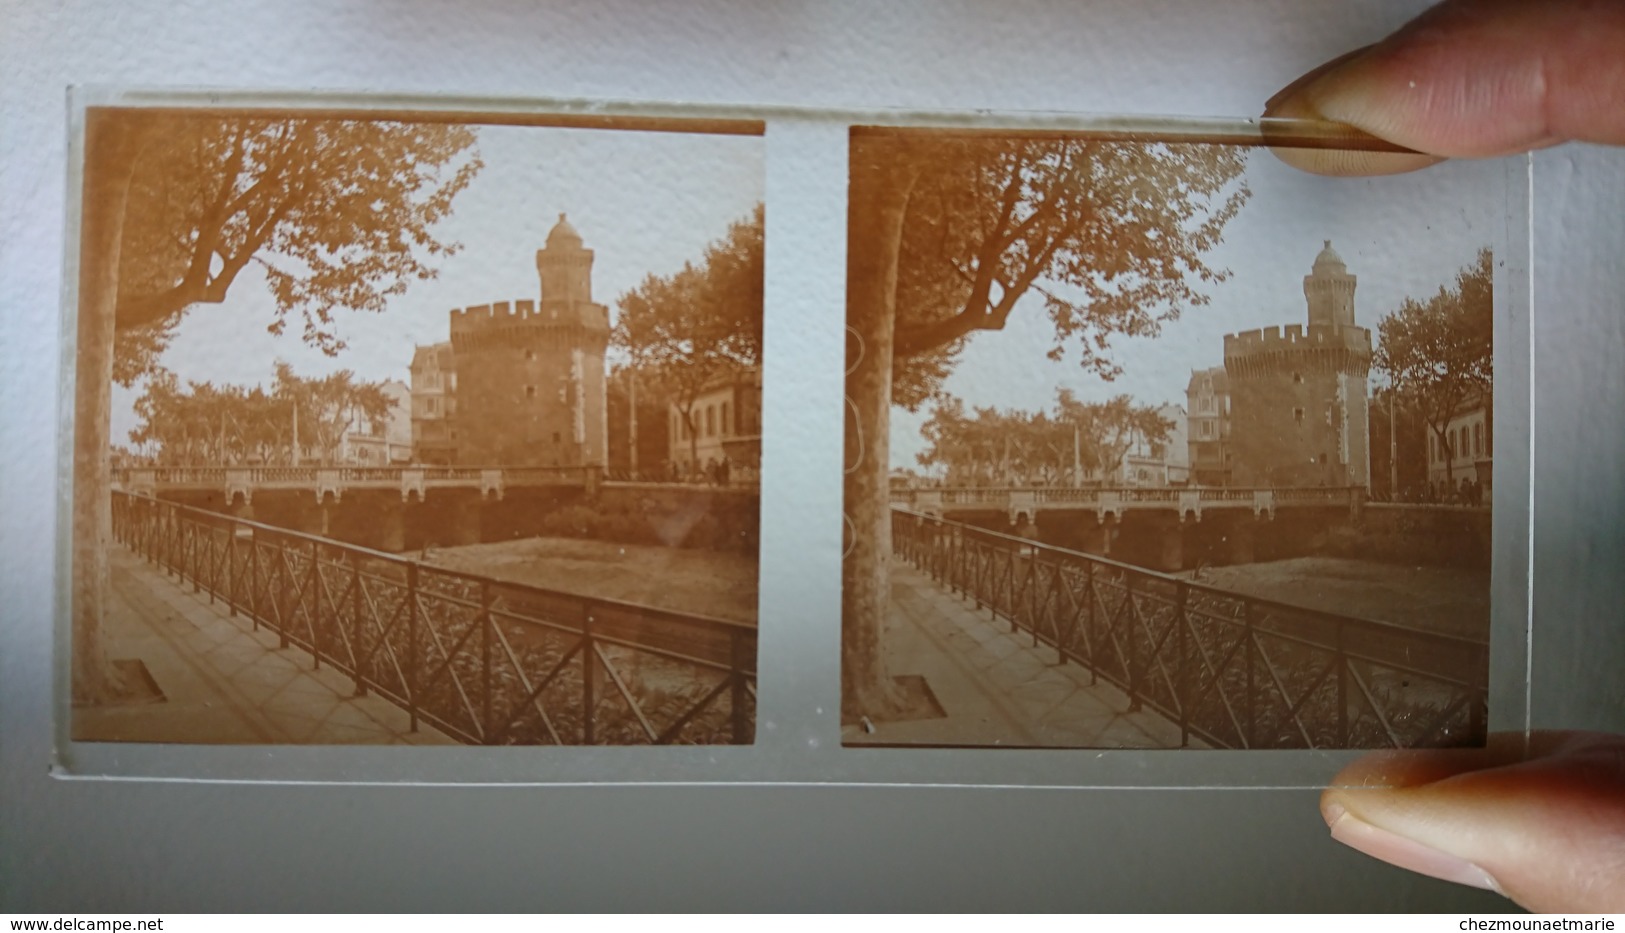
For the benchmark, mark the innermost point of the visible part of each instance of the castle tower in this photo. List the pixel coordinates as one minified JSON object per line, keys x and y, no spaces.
{"x":1330,"y":290}
{"x":530,"y":375}
{"x":565,"y":268}
{"x":1298,"y":395}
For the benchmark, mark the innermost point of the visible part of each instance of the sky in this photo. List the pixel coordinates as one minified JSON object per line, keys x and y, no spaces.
{"x":645,"y":203}
{"x":1400,"y":236}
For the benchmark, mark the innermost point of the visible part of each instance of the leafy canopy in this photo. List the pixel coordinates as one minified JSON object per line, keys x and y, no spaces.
{"x":203,"y":423}
{"x":1071,"y":443}
{"x":683,"y":331}
{"x":337,"y":213}
{"x":1111,"y":235}
{"x":1440,"y":352}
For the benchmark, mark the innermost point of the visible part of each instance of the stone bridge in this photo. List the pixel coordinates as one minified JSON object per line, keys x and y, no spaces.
{"x":241,"y":482}
{"x":1117,"y":502}
{"x":407,"y":508}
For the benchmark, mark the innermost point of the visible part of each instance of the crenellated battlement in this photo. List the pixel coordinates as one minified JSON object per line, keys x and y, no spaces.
{"x":1277,"y":351}
{"x":505,"y":315}
{"x":1277,"y":339}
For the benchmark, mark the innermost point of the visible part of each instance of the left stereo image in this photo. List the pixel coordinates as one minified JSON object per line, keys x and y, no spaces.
{"x":414,"y":427}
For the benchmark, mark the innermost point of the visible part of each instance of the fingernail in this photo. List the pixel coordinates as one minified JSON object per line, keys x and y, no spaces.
{"x":1405,"y":853}
{"x":1273,"y":106}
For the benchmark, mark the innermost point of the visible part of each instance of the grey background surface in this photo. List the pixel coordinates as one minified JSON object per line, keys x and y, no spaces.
{"x":151,"y":845}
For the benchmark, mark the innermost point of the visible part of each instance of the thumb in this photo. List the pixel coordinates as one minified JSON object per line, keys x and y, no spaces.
{"x":1473,"y":78}
{"x":1541,"y":820}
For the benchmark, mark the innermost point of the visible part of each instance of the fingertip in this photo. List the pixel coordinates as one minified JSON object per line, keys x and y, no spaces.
{"x":1353,"y":163}
{"x":1296,"y":101}
{"x":1397,"y":847}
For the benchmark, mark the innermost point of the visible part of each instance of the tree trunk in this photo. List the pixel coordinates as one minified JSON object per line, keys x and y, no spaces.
{"x":878,"y":201}
{"x":111,"y":145}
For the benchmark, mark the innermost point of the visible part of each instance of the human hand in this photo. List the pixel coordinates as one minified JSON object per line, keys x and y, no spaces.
{"x":1471,"y":78}
{"x":1541,"y":821}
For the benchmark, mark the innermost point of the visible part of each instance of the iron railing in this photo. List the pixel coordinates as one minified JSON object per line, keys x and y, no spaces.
{"x":1232,"y":671}
{"x":1108,"y":499}
{"x":345,"y":475}
{"x":485,"y":661}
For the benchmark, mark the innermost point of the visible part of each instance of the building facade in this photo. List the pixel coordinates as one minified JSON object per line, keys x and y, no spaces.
{"x":722,"y":427}
{"x":1298,"y":394}
{"x":434,"y":405}
{"x":1465,"y":453}
{"x":387,"y":442}
{"x":1155,"y":463}
{"x":530,"y":384}
{"x":1208,"y":427}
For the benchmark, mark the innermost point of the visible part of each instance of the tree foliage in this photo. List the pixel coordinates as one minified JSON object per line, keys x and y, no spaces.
{"x":338,"y":214}
{"x":1110,"y":235}
{"x":203,"y":423}
{"x":1439,"y":353}
{"x":683,"y":332}
{"x":946,"y":234}
{"x":1074,"y":443}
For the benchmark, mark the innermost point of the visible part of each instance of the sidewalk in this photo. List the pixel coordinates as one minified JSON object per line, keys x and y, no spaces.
{"x":994,"y":686}
{"x":224,"y":683}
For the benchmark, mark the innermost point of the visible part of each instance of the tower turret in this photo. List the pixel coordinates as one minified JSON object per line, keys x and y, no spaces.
{"x":565,"y":268}
{"x":1329,"y":289}
{"x":1298,"y":394}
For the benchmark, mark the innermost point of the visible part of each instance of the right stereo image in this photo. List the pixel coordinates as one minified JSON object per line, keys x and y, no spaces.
{"x":1163,"y":444}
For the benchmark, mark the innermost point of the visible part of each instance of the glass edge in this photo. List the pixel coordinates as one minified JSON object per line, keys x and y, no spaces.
{"x":832,"y":767}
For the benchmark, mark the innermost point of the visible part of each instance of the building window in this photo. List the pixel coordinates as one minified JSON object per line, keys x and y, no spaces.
{"x":1207,"y":429}
{"x":1478,"y":440}
{"x":1297,"y":415}
{"x":1297,"y":379}
{"x":530,"y":391}
{"x":530,"y":354}
{"x":555,"y":437}
{"x":431,"y":405}
{"x":710,"y":421}
{"x":724,"y":419}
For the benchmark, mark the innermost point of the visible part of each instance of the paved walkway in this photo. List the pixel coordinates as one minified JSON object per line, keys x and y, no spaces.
{"x":994,"y":686}
{"x":224,"y":683}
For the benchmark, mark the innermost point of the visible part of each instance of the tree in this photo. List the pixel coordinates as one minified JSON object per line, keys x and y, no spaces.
{"x":1440,"y":353}
{"x":683,"y":332}
{"x":329,"y":406}
{"x":1106,"y":430}
{"x":338,"y":213}
{"x":209,"y":424}
{"x":1064,"y":445}
{"x":947,"y":232}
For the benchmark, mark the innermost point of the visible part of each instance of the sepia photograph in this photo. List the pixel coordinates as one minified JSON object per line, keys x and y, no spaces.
{"x":1159,"y":443}
{"x":416,"y":428}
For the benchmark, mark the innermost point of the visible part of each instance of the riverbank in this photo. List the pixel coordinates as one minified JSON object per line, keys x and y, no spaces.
{"x":710,"y":583}
{"x":1441,"y":599}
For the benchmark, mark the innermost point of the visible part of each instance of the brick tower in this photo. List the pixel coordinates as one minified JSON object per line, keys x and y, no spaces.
{"x":1298,"y":397}
{"x":530,"y":376}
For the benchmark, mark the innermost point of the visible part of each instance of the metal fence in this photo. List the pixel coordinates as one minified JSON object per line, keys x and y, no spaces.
{"x":1232,"y":671}
{"x":483,"y":660}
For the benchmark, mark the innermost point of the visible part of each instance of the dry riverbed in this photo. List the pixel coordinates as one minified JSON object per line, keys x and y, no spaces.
{"x":1440,"y":599}
{"x":722,"y":586}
